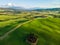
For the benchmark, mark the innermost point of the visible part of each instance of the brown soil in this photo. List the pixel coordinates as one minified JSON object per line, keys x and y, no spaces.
{"x":32,"y":38}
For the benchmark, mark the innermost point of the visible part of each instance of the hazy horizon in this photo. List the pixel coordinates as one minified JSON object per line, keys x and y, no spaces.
{"x":32,"y":3}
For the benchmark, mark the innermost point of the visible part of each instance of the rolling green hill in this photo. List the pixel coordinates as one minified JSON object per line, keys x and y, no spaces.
{"x":9,"y":22}
{"x":47,"y":30}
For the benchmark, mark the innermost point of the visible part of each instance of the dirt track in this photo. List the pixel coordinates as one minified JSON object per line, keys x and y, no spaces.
{"x":6,"y":34}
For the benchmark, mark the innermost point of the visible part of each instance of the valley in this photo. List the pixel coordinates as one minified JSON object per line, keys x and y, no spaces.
{"x":17,"y":24}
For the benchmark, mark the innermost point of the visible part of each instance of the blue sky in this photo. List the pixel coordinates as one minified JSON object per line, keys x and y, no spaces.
{"x":32,"y":3}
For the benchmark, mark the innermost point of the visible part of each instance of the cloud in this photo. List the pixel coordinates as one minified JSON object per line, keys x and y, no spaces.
{"x":10,"y":4}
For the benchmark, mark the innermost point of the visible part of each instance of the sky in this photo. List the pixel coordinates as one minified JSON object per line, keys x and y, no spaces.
{"x":32,"y":3}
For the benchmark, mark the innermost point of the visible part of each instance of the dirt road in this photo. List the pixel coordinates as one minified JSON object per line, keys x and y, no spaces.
{"x":18,"y":26}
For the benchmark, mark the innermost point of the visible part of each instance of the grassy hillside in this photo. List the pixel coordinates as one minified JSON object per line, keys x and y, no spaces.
{"x":9,"y":22}
{"x":47,"y":30}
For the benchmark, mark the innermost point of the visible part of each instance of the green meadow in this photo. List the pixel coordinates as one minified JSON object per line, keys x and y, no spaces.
{"x":9,"y":22}
{"x":47,"y":30}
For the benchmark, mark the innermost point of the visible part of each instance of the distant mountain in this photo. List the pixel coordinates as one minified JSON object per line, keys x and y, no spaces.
{"x":48,"y":9}
{"x":13,"y":7}
{"x":35,"y":8}
{"x":54,"y":9}
{"x":17,"y":8}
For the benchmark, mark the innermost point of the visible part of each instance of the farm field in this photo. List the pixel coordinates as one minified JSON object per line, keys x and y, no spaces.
{"x":29,"y":22}
{"x":9,"y":22}
{"x":47,"y":30}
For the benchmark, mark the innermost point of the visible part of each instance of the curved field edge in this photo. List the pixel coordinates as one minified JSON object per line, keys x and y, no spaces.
{"x":47,"y":30}
{"x":9,"y":25}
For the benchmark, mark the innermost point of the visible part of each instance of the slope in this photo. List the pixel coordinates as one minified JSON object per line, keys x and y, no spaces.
{"x":47,"y":30}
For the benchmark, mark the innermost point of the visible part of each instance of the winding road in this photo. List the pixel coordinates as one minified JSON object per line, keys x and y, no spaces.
{"x":18,"y":26}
